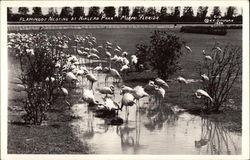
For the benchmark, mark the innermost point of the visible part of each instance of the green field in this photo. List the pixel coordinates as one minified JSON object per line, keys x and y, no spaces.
{"x":127,"y":39}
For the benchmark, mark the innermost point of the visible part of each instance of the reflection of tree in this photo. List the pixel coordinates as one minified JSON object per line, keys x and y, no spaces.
{"x":160,"y":115}
{"x":216,"y":138}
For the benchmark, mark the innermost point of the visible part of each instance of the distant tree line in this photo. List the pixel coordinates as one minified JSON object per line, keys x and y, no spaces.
{"x":165,"y":14}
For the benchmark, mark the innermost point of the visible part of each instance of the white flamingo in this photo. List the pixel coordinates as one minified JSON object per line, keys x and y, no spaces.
{"x":91,"y":78}
{"x":188,"y":49}
{"x":71,"y":78}
{"x":126,"y":89}
{"x":199,"y":93}
{"x":182,"y":81}
{"x":139,"y":93}
{"x":204,"y":77}
{"x":127,"y":100}
{"x":161,"y":82}
{"x":107,"y":90}
{"x":160,"y":94}
{"x":208,"y":58}
{"x":112,"y":73}
{"x":88,"y":96}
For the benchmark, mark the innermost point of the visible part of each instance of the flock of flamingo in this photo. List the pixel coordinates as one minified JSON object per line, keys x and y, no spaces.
{"x":86,"y":48}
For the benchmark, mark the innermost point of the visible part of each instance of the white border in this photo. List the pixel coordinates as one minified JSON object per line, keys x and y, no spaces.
{"x":4,"y":80}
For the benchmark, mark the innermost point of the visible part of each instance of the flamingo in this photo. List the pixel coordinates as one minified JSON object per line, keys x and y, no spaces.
{"x":199,"y":93}
{"x":107,"y":90}
{"x":98,"y":68}
{"x":20,"y":88}
{"x":71,"y":78}
{"x":134,"y":59}
{"x":161,"y":82}
{"x":88,"y":96}
{"x":119,"y":48}
{"x":127,"y":100}
{"x":62,"y":91}
{"x":218,"y":48}
{"x":91,"y":78}
{"x":204,"y":77}
{"x":112,"y":73}
{"x":65,"y":94}
{"x":126,"y":89}
{"x":188,"y":49}
{"x":93,"y":56}
{"x":109,"y":43}
{"x":86,"y":49}
{"x":124,"y":54}
{"x":203,"y":52}
{"x":125,"y":61}
{"x":138,"y":93}
{"x":160,"y":93}
{"x":111,"y":105}
{"x":150,"y":88}
{"x":93,"y":50}
{"x":208,"y":58}
{"x":124,"y":68}
{"x":181,"y":80}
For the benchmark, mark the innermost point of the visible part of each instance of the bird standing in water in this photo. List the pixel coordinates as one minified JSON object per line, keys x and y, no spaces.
{"x":127,"y":100}
{"x":138,"y":93}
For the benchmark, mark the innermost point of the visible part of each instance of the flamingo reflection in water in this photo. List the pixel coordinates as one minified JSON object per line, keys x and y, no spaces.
{"x":160,"y":114}
{"x":130,"y":135}
{"x":216,"y":139}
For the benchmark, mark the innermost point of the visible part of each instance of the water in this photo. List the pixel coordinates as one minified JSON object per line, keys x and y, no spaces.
{"x":154,"y":129}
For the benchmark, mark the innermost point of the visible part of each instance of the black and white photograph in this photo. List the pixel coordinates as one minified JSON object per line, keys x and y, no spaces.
{"x":125,"y":79}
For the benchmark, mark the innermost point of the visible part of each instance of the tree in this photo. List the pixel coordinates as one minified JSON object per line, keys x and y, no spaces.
{"x":52,"y":12}
{"x":188,"y":14}
{"x":9,"y":12}
{"x":216,"y":12}
{"x":201,"y":13}
{"x":38,"y":62}
{"x":231,"y":12}
{"x":109,"y":11}
{"x":66,"y":12}
{"x":23,"y":10}
{"x":123,"y":11}
{"x":162,"y":53}
{"x":151,"y":11}
{"x":223,"y":71}
{"x":138,"y":11}
{"x":78,"y":11}
{"x":37,"y":11}
{"x":94,"y":12}
{"x":163,"y":13}
{"x":176,"y":14}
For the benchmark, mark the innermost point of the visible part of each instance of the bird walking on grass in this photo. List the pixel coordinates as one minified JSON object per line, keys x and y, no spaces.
{"x":199,"y":93}
{"x":182,"y":81}
{"x":189,"y":50}
{"x":161,"y":82}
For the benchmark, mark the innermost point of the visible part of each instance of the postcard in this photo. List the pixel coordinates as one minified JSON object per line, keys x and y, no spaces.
{"x":124,"y":80}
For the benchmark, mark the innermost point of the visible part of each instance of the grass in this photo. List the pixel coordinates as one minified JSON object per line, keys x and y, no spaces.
{"x":57,"y":137}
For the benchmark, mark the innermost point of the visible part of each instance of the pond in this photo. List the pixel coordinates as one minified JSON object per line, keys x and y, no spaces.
{"x":153,"y":129}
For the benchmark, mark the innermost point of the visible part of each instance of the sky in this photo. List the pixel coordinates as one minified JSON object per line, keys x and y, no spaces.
{"x":45,"y":10}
